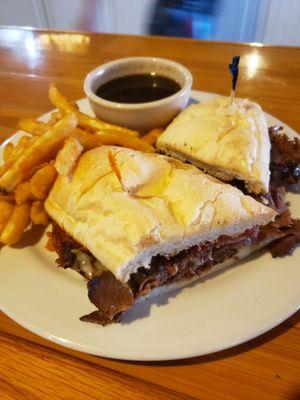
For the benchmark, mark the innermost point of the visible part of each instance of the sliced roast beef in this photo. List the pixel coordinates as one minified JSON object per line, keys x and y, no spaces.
{"x":290,"y":239}
{"x":284,"y":230}
{"x":275,"y":198}
{"x":63,"y":244}
{"x":110,"y":296}
{"x":285,"y":169}
{"x":285,"y":157}
{"x":189,"y":263}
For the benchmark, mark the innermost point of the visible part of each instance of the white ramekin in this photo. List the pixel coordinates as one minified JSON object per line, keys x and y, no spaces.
{"x":142,"y":116}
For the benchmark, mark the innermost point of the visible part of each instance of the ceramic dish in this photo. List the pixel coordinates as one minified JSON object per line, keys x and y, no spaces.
{"x":222,"y":311}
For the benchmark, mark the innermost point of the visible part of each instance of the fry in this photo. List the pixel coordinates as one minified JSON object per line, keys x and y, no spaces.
{"x":32,"y":126}
{"x":67,"y":156}
{"x":38,"y":214}
{"x":59,"y":100}
{"x":22,"y":192}
{"x":75,"y":105}
{"x":23,"y":142}
{"x":152,"y":136}
{"x":15,"y":152}
{"x":7,"y":197}
{"x":42,"y":181}
{"x":94,"y":124}
{"x":87,"y":139}
{"x":55,"y":117}
{"x":5,"y":211}
{"x":124,"y":140}
{"x":16,"y":224}
{"x":19,"y":148}
{"x":44,"y":148}
{"x":7,"y":152}
{"x":3,"y":169}
{"x":92,"y":140}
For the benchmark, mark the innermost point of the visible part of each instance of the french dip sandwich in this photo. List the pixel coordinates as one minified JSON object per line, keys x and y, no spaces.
{"x":227,"y":141}
{"x":154,"y":226}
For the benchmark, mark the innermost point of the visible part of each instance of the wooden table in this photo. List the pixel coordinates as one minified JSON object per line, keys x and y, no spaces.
{"x":33,"y":368}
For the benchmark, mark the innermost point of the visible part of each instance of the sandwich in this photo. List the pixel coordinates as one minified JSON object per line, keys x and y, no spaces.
{"x":137,"y":225}
{"x":227,"y":140}
{"x":233,"y":143}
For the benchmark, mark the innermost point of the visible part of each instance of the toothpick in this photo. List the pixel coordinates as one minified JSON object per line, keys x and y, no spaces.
{"x":114,"y":166}
{"x":234,"y":70}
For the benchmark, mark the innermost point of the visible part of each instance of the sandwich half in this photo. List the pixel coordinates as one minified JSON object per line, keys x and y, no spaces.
{"x":155,"y":226}
{"x":227,"y":141}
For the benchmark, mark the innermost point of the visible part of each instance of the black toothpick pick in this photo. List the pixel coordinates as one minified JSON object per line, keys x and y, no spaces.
{"x":234,"y":70}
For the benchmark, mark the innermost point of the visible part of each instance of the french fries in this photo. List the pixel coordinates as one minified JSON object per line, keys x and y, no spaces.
{"x":7,"y":197}
{"x":22,"y":192}
{"x":91,"y":140}
{"x":16,"y":224}
{"x":11,"y":152}
{"x":85,"y":121}
{"x":23,"y":142}
{"x":87,"y":139}
{"x":31,"y":166}
{"x":33,"y":126}
{"x":3,"y":169}
{"x":20,"y":147}
{"x":124,"y":140}
{"x":152,"y":136}
{"x":42,"y":181}
{"x":54,"y":117}
{"x":38,"y":213}
{"x":6,"y":209}
{"x":44,"y":148}
{"x":67,"y":156}
{"x":7,"y":152}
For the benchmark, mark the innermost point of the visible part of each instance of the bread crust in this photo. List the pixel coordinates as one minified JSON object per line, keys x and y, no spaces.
{"x":167,"y":206}
{"x":230,"y":142}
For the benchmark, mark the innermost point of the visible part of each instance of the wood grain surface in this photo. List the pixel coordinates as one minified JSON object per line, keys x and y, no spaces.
{"x":33,"y":368}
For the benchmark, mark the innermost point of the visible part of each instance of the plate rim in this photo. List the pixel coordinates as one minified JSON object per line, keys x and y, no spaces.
{"x":86,"y":349}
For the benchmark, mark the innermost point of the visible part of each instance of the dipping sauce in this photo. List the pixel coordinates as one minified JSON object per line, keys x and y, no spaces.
{"x":139,"y":88}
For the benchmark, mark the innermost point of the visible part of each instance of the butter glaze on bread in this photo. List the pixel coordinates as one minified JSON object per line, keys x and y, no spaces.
{"x":168,"y":206}
{"x":229,"y":142}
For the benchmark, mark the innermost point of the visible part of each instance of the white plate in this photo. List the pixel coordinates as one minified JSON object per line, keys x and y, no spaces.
{"x":217,"y":313}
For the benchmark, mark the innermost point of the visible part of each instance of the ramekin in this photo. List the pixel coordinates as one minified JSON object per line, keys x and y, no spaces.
{"x":141,"y":116}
